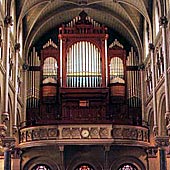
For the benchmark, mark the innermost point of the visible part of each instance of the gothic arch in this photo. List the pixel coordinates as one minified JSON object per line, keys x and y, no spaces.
{"x":128,"y":160}
{"x":78,"y":160}
{"x":41,"y":160}
{"x":161,"y":115}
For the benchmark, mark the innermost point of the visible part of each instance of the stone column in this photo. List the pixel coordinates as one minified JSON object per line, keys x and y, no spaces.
{"x":151,"y":48}
{"x":162,"y":142}
{"x":61,"y":148}
{"x":8,"y":144}
{"x":163,"y":24}
{"x":106,"y":155}
{"x":7,"y":23}
{"x":141,"y":68}
{"x":17,"y":47}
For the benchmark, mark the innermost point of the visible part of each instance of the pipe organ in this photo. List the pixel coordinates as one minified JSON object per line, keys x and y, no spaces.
{"x":81,"y":79}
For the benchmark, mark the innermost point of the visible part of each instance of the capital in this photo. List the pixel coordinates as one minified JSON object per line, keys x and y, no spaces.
{"x":8,"y":142}
{"x":163,"y":21}
{"x":8,"y":20}
{"x":141,"y":66}
{"x":162,"y":141}
{"x":25,"y":67}
{"x":4,"y":117}
{"x":17,"y":46}
{"x":151,"y":46}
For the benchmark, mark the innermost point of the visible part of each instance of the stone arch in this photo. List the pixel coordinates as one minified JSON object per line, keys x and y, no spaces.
{"x":161,"y":115}
{"x":78,"y":160}
{"x":128,"y":160}
{"x":41,"y":160}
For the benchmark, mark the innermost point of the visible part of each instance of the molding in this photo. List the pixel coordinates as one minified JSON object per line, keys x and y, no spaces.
{"x":106,"y":134}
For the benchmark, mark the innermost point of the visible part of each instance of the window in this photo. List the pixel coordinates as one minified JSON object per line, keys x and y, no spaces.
{"x":116,"y":70}
{"x":41,"y":167}
{"x":83,"y":65}
{"x":127,"y":167}
{"x":84,"y":167}
{"x":50,"y":70}
{"x":156,"y":19}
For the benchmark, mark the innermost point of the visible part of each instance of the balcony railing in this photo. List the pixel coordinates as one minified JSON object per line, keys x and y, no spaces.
{"x":84,"y":134}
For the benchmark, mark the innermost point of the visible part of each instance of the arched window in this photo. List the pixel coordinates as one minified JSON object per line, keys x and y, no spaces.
{"x":84,"y":167}
{"x":83,"y":65}
{"x":50,"y":70}
{"x":116,"y":70}
{"x":127,"y":167}
{"x":41,"y":167}
{"x":156,"y":19}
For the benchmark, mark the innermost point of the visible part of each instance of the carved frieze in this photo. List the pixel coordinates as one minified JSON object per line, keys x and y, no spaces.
{"x":83,"y":133}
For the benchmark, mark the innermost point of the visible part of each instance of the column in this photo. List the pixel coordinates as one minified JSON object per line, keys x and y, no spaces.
{"x":162,"y":142}
{"x":151,"y":48}
{"x":7,"y":23}
{"x":163,"y":24}
{"x":106,"y":155}
{"x":61,"y":148}
{"x":8,"y":144}
{"x":17,"y":47}
{"x":141,"y":68}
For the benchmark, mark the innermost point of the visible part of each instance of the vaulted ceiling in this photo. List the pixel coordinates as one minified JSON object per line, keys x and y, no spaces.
{"x":125,"y":17}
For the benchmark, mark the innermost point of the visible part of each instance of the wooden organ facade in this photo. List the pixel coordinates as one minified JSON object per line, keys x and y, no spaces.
{"x":82,"y":80}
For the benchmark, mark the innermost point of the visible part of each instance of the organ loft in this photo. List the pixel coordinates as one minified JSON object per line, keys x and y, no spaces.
{"x":82,"y":79}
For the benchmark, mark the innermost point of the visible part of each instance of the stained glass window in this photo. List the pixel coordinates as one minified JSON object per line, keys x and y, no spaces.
{"x":127,"y":167}
{"x":41,"y":167}
{"x":84,"y":167}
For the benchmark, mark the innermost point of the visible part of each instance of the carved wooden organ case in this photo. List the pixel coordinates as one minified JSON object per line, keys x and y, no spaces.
{"x":82,"y":80}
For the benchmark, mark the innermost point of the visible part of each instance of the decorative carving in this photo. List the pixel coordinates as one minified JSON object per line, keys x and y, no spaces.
{"x":162,"y":141}
{"x":163,"y":21}
{"x":116,"y":43}
{"x":152,"y":151}
{"x":94,"y":133}
{"x":75,"y":133}
{"x":141,"y":66}
{"x":17,"y":47}
{"x":104,"y":133}
{"x":151,"y":46}
{"x":8,"y":20}
{"x":66,"y":133}
{"x":8,"y":142}
{"x":25,"y":67}
{"x":4,"y":117}
{"x":50,"y":43}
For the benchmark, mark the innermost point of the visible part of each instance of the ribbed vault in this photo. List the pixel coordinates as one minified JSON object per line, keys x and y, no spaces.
{"x":123,"y":16}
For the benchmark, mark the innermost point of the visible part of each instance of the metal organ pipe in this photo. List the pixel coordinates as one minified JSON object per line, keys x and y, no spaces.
{"x":83,"y":65}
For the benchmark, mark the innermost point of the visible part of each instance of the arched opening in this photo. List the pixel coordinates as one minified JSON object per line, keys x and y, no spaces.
{"x":127,"y":166}
{"x":41,"y":167}
{"x":84,"y":167}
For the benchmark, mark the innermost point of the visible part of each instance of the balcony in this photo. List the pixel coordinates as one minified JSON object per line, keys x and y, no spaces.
{"x":84,"y":134}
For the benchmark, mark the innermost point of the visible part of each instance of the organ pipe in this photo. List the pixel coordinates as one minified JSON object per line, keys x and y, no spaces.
{"x":33,"y":81}
{"x":133,"y":81}
{"x":83,"y":65}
